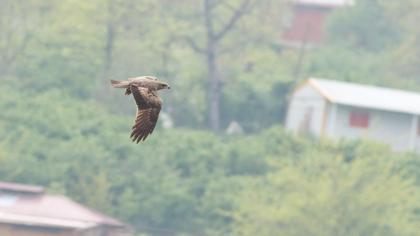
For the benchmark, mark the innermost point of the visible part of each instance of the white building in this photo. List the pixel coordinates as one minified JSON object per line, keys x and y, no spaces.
{"x":345,"y":110}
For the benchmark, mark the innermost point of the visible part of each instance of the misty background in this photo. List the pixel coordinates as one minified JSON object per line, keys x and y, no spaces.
{"x":62,"y":125}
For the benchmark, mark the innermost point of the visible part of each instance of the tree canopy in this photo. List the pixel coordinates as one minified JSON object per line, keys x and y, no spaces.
{"x":64,"y":128}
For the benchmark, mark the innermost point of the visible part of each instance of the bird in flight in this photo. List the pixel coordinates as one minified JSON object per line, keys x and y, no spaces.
{"x":144,"y":90}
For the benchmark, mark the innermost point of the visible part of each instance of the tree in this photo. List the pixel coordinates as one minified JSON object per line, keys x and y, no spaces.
{"x":327,"y":195}
{"x":16,"y":25}
{"x":404,"y":58}
{"x":220,"y":19}
{"x":381,"y":52}
{"x":211,"y":49}
{"x":349,"y":26}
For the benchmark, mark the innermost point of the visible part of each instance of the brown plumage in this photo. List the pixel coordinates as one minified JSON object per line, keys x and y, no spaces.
{"x":149,"y":104}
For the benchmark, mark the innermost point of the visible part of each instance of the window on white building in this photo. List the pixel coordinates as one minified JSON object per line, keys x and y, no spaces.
{"x":359,"y":119}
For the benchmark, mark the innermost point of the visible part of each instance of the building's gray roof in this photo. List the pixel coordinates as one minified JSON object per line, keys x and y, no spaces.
{"x":367,"y":96}
{"x":28,"y":205}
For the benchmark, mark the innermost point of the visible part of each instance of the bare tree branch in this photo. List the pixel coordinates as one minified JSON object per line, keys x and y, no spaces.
{"x":211,"y":51}
{"x":194,"y":46}
{"x":208,"y":19}
{"x":237,"y":15}
{"x":239,"y":46}
{"x":215,"y":3}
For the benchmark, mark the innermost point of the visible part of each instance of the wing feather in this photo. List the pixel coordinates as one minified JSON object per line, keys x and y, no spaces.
{"x":148,"y":109}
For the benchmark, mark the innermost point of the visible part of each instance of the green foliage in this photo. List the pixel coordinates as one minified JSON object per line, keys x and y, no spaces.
{"x":372,"y":42}
{"x":63,"y":50}
{"x":262,"y":74}
{"x":346,"y":64}
{"x":62,"y":127}
{"x":327,"y":195}
{"x":194,"y":182}
{"x":360,"y":26}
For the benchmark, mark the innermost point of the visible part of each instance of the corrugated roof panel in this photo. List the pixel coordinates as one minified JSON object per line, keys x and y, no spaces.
{"x":367,"y":96}
{"x":54,"y":207}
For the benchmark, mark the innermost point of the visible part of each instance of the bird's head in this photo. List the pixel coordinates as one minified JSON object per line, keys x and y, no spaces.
{"x":163,"y":85}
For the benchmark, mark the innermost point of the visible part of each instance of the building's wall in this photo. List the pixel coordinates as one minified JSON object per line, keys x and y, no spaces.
{"x":303,"y":101}
{"x":391,"y":128}
{"x":18,"y":230}
{"x":15,"y":230}
{"x":104,"y":231}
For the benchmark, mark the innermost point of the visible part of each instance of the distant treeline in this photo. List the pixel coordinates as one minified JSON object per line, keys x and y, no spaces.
{"x":63,"y":127}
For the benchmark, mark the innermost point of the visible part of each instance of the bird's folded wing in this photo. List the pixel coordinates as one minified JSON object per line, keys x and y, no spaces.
{"x":147,"y":113}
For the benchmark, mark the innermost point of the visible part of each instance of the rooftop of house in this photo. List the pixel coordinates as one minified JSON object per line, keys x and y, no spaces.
{"x":29,"y":205}
{"x":367,"y":96}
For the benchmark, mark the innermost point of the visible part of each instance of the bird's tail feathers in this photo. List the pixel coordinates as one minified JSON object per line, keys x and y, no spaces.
{"x":120,"y":84}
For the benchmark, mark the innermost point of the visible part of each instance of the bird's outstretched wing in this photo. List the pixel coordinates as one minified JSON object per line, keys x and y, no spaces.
{"x":148,"y":108}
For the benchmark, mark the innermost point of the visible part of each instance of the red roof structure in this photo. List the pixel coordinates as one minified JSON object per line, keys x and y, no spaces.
{"x":27,"y":205}
{"x":307,"y":24}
